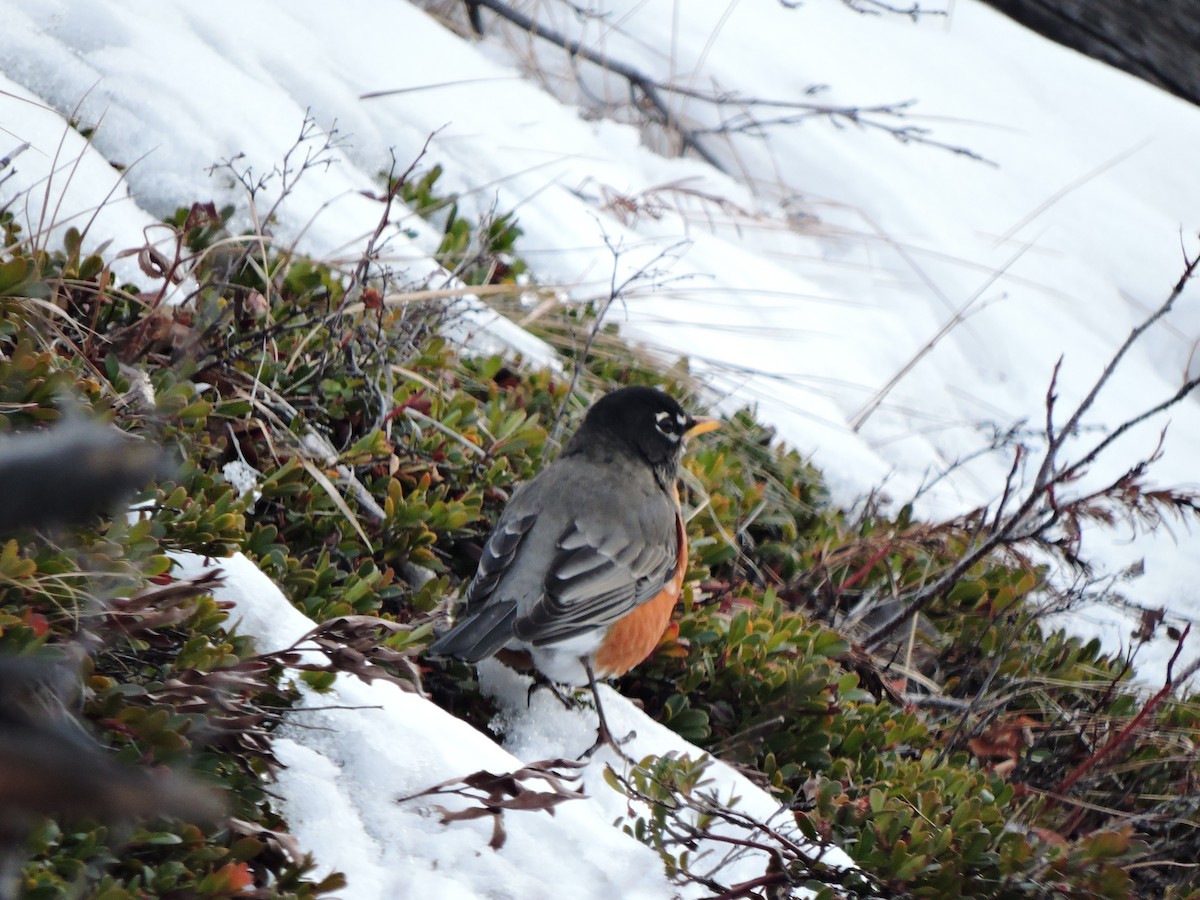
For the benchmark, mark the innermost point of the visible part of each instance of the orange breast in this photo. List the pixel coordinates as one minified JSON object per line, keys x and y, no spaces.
{"x":631,"y":639}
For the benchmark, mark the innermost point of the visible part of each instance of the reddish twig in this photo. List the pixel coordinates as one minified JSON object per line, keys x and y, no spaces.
{"x":1119,"y":739}
{"x":748,"y":888}
{"x":1040,"y":507}
{"x":865,"y":569}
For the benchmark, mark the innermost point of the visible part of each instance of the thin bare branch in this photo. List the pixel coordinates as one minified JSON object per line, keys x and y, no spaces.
{"x":1041,"y":508}
{"x":658,"y":95}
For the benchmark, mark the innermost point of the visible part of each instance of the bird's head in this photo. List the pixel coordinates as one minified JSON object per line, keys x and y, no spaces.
{"x":652,"y":423}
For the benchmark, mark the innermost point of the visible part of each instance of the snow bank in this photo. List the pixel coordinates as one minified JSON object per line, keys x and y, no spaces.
{"x":352,"y":754}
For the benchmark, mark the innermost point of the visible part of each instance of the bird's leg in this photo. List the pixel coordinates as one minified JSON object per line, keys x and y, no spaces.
{"x":603,"y":735}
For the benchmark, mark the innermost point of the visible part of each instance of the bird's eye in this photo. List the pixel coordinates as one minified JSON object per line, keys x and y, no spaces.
{"x":670,"y":426}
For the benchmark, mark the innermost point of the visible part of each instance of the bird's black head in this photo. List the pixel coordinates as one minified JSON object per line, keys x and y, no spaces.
{"x":644,"y":419}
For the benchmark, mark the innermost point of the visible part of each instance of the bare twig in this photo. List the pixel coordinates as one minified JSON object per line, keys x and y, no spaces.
{"x":616,"y":290}
{"x":1170,"y":686}
{"x":370,"y":252}
{"x":696,"y":817}
{"x":879,"y":7}
{"x":536,"y":786}
{"x":1041,"y":508}
{"x":658,"y":94}
{"x":860,"y":417}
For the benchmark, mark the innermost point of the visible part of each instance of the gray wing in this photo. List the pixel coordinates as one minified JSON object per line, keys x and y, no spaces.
{"x":550,"y":571}
{"x":606,"y":563}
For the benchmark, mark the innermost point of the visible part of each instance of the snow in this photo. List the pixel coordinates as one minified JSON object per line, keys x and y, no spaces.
{"x":823,"y":264}
{"x":352,"y":755}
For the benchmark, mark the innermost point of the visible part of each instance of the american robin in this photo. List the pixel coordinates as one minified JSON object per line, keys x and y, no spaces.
{"x":587,"y":560}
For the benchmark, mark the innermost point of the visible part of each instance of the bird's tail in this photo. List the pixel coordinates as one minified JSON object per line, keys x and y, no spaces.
{"x":479,"y":636}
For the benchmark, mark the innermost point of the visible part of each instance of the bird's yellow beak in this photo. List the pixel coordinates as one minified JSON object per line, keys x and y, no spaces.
{"x":702,"y":425}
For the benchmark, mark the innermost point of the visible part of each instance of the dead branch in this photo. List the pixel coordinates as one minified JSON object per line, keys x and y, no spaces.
{"x":791,"y":860}
{"x":876,"y":8}
{"x":537,"y":786}
{"x":1041,"y":509}
{"x":616,"y":290}
{"x":658,"y":95}
{"x":1170,"y":685}
{"x":395,"y":184}
{"x":860,"y":417}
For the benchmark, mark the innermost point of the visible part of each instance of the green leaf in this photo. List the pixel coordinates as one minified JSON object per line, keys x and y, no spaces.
{"x":15,"y":275}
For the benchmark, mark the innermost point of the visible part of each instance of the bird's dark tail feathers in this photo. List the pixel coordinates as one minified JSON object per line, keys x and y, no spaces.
{"x":479,"y":636}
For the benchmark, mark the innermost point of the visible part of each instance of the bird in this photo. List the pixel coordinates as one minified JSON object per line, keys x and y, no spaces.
{"x":71,"y":471}
{"x":587,"y":560}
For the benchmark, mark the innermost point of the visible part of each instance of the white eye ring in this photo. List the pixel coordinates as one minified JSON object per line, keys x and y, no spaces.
{"x":671,"y":432}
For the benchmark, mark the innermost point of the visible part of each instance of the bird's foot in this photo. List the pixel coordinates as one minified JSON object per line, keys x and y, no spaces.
{"x":541,"y":681}
{"x":604,"y":738}
{"x":604,"y":735}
